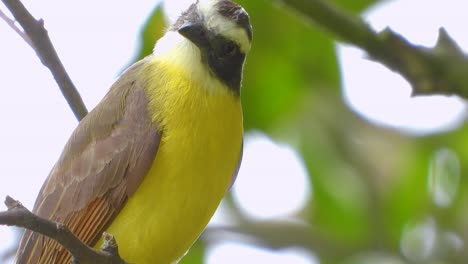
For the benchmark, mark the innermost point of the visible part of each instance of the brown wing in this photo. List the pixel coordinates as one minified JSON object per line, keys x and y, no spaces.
{"x":102,"y":164}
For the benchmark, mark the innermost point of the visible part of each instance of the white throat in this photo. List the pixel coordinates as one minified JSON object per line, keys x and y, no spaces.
{"x":180,"y":52}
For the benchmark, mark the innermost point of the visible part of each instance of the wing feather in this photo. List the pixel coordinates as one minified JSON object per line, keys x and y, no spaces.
{"x":102,"y":164}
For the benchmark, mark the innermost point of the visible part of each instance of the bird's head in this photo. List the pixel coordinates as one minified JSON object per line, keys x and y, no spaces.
{"x":215,"y":33}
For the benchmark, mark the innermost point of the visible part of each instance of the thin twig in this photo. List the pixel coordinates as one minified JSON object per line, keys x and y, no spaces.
{"x":439,"y":70}
{"x":11,"y":23}
{"x":41,"y":43}
{"x":18,"y":215}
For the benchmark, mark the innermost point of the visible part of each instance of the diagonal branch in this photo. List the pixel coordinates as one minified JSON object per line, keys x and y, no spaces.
{"x":18,"y":215}
{"x":442,"y":69}
{"x":41,"y":43}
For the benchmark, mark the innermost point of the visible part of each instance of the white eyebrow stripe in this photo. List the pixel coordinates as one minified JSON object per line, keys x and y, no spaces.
{"x":230,"y":31}
{"x":223,"y":26}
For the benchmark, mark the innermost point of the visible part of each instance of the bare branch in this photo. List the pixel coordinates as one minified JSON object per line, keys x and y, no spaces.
{"x":439,"y":70}
{"x":18,"y":215}
{"x":41,"y":43}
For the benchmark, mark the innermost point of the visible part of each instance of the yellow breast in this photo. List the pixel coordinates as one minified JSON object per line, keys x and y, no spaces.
{"x":199,"y":151}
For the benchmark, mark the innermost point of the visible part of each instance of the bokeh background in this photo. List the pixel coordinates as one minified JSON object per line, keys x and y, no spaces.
{"x":341,"y":164}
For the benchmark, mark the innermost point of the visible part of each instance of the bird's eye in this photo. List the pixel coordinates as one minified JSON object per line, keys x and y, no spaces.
{"x":229,"y":49}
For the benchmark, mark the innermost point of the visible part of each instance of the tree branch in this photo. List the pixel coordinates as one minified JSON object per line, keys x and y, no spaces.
{"x":18,"y":215}
{"x":44,"y":49}
{"x":439,"y":70}
{"x":277,"y":235}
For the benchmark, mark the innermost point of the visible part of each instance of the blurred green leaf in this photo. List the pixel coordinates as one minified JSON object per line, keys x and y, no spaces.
{"x":355,"y":6}
{"x":340,"y":203}
{"x":287,"y":58}
{"x":153,"y":29}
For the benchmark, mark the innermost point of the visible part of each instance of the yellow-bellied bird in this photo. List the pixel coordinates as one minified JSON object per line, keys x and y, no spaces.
{"x":151,"y":163}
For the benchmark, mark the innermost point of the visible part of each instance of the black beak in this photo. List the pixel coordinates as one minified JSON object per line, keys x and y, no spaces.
{"x":196,"y":33}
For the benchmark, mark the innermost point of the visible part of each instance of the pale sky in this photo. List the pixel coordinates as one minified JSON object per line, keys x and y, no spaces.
{"x":36,"y":121}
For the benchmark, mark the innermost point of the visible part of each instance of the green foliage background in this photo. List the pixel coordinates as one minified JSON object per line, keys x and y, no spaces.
{"x":369,"y":183}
